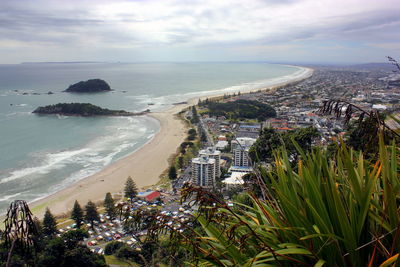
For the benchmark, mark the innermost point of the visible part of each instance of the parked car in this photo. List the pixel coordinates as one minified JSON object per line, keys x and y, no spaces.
{"x":92,"y":243}
{"x":117,"y":236}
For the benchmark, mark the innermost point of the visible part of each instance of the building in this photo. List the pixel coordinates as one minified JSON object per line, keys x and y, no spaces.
{"x":203,"y":171}
{"x":236,"y":174}
{"x":240,"y":150}
{"x":379,"y":107}
{"x":149,"y":196}
{"x":221,"y":145}
{"x":213,"y":154}
{"x":246,"y":130}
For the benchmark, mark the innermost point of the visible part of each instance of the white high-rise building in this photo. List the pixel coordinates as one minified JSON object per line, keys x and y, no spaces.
{"x":203,"y":171}
{"x":212,"y":153}
{"x":240,"y":150}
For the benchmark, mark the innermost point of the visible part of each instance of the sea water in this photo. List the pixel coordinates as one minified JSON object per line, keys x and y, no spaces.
{"x":40,"y":155}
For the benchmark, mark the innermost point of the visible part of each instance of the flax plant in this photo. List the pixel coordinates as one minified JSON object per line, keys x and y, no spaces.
{"x":340,"y":211}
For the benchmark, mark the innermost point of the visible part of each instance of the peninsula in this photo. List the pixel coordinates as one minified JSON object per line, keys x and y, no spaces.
{"x":82,"y":109}
{"x":89,"y":86}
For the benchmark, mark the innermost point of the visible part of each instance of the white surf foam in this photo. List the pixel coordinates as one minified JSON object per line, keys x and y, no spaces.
{"x":19,"y":113}
{"x":51,"y":161}
{"x":164,"y":102}
{"x":8,"y":197}
{"x":92,"y":158}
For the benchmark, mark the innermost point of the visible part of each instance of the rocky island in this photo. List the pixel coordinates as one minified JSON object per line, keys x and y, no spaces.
{"x":82,"y":109}
{"x":89,"y":86}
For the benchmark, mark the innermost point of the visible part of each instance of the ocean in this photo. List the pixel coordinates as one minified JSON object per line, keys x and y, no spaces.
{"x":40,"y":155}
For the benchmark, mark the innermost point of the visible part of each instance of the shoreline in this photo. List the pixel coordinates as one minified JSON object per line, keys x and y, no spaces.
{"x":144,"y":165}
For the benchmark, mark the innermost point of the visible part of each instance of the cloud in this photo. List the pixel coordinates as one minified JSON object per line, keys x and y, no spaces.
{"x":391,"y":46}
{"x":172,"y":24}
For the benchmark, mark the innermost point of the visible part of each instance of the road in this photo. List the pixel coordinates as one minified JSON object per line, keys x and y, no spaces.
{"x":210,"y":140}
{"x":183,"y":178}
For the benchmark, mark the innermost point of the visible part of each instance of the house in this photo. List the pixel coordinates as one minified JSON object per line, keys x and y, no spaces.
{"x":149,"y":196}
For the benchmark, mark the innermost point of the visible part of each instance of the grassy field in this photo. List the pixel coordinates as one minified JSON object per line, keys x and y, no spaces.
{"x":112,"y":260}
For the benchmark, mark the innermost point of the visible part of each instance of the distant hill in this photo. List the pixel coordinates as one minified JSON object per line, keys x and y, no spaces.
{"x":81,"y":109}
{"x":89,"y":86}
{"x":63,"y":62}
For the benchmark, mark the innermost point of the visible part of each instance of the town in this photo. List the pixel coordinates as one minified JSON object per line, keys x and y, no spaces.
{"x":296,"y":106}
{"x":217,"y":153}
{"x":221,"y":158}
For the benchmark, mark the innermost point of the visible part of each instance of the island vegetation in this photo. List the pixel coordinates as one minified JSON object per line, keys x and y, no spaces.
{"x":89,"y":86}
{"x":240,"y":109}
{"x":81,"y":109}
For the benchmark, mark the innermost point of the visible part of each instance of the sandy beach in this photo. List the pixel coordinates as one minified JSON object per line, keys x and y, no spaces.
{"x":144,"y":165}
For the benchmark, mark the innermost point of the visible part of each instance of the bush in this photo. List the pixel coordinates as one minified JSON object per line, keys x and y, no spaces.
{"x":125,"y":252}
{"x":172,"y":173}
{"x":112,"y":247}
{"x":192,"y":132}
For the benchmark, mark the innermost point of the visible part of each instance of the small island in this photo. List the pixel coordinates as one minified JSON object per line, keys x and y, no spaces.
{"x":89,"y":86}
{"x":82,"y":109}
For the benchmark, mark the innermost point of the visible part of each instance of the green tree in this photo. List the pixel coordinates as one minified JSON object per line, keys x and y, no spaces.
{"x":192,"y":134}
{"x":109,"y":205}
{"x":83,"y":257}
{"x":242,"y":109}
{"x":130,"y":190}
{"x":77,"y":214}
{"x":39,"y":228}
{"x":125,"y":252}
{"x":73,"y":237}
{"x":362,"y":136}
{"x":34,"y":250}
{"x":195,"y":116}
{"x":262,"y":149}
{"x":53,"y":254}
{"x":91,"y":213}
{"x":49,"y":227}
{"x":172,"y":173}
{"x":304,"y":137}
{"x":64,"y":253}
{"x":203,"y":137}
{"x":269,"y":140}
{"x":112,"y":247}
{"x":180,"y":162}
{"x":192,"y":131}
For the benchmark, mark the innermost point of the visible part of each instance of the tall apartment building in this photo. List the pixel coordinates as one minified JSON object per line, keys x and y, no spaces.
{"x":212,"y":153}
{"x":203,"y":171}
{"x":240,"y":150}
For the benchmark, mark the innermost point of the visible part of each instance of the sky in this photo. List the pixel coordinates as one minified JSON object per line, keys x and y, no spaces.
{"x":286,"y":31}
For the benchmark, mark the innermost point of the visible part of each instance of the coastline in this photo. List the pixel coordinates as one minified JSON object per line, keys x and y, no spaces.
{"x":144,"y":165}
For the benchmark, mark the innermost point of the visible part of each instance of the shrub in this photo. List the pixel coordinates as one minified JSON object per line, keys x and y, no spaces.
{"x":112,"y":247}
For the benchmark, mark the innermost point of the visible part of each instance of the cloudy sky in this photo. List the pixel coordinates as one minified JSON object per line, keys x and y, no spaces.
{"x":290,"y":31}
